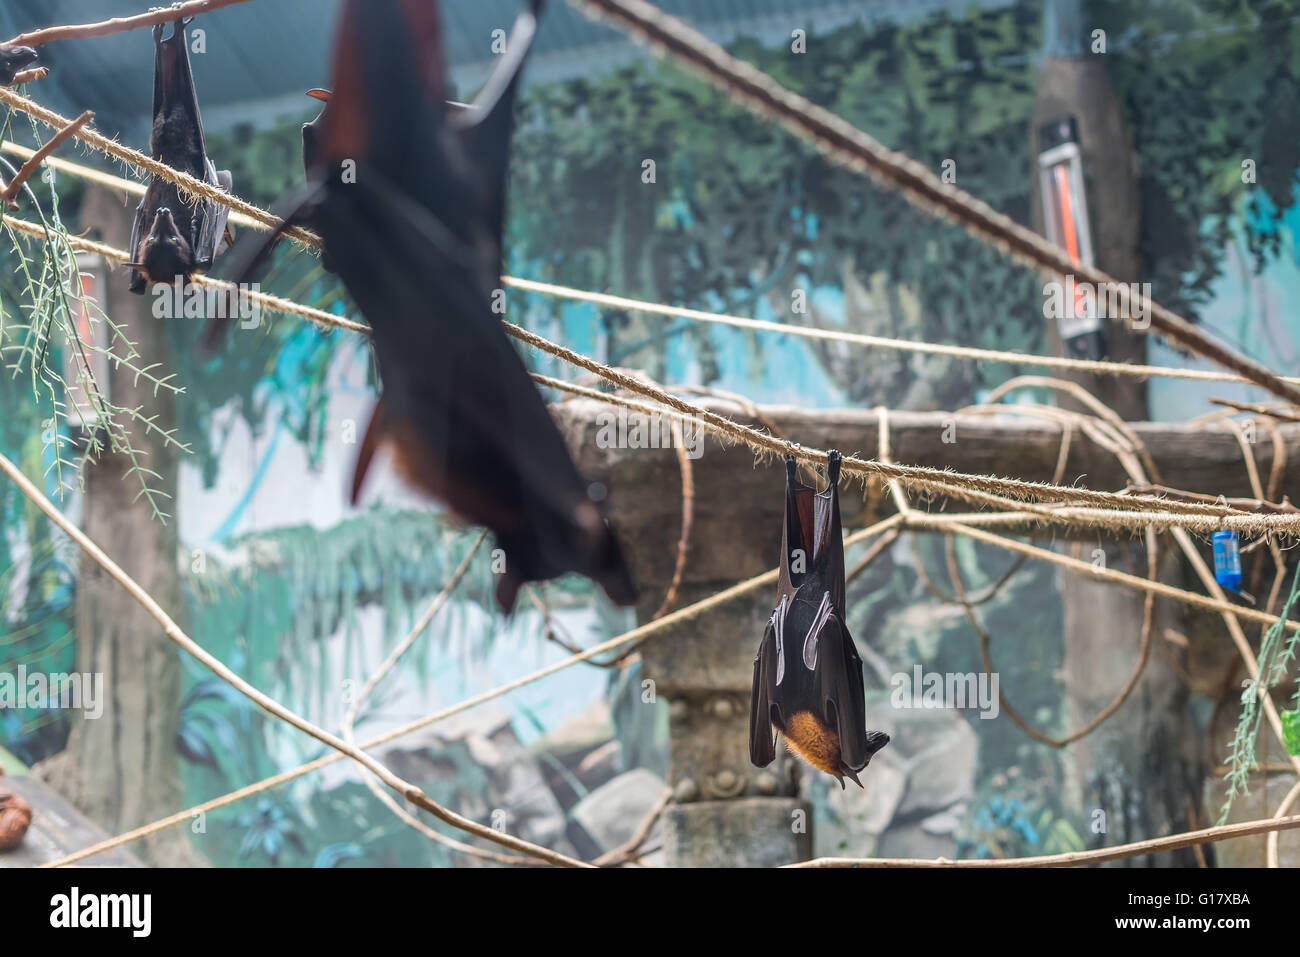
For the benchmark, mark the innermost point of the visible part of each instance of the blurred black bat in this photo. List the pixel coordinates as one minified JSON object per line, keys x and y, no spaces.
{"x":311,"y":150}
{"x":171,"y":237}
{"x":407,"y":193}
{"x":13,"y":60}
{"x":807,"y":673}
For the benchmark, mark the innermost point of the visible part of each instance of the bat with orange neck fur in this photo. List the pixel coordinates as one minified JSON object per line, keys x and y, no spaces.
{"x":807,"y":673}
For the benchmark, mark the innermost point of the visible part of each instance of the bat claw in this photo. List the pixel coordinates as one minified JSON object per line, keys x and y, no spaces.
{"x":833,"y":458}
{"x":876,"y":740}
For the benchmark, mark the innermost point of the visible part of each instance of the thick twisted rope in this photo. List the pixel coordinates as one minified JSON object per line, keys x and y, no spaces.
{"x":1164,"y":512}
{"x":942,"y":482}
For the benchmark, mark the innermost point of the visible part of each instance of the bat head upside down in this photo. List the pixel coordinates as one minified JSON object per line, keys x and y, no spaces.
{"x":164,"y":253}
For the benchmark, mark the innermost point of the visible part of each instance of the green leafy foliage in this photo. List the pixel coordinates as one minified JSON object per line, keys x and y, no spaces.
{"x":41,"y":303}
{"x":1291,"y":731}
{"x":1276,"y":651}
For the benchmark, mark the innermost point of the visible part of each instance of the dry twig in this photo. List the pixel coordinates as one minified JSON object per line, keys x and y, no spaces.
{"x":10,"y":193}
{"x":85,"y":31}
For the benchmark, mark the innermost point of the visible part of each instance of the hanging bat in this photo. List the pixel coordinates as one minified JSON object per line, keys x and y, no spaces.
{"x":173,"y":236}
{"x":807,"y":673}
{"x":13,"y":60}
{"x":408,"y":197}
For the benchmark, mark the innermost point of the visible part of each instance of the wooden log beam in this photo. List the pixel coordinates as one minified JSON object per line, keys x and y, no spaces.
{"x":745,"y":497}
{"x":57,"y":829}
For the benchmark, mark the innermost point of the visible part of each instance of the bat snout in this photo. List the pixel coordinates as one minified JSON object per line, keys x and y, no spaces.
{"x":164,"y":225}
{"x":165,"y":254}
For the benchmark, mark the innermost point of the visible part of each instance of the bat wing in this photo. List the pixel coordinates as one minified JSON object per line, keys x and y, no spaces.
{"x":466,"y":419}
{"x":829,"y":536}
{"x":812,"y":542}
{"x":485,"y":127}
{"x":762,"y":736}
{"x":838,"y":679}
{"x":137,"y":282}
{"x":389,"y":86}
{"x":159,"y":70}
{"x":794,"y":548}
{"x":244,"y":261}
{"x":173,"y":89}
{"x":212,"y":221}
{"x":388,"y":112}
